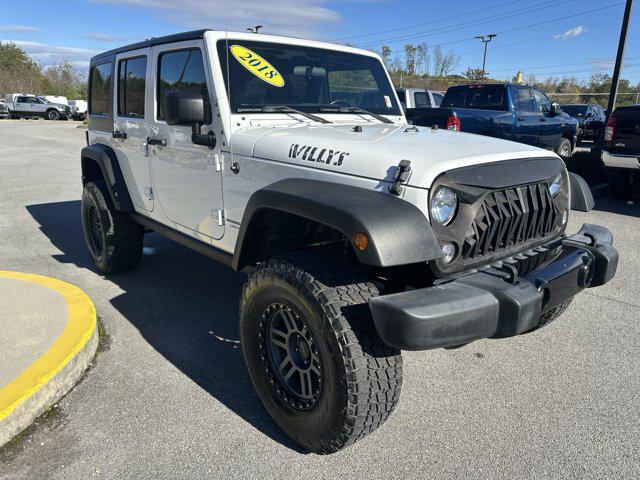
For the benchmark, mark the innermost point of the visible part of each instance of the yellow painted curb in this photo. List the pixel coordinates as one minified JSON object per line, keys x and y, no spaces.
{"x":80,"y":327}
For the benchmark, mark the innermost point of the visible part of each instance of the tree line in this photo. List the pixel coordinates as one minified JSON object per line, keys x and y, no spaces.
{"x":421,"y":66}
{"x":19,"y":73}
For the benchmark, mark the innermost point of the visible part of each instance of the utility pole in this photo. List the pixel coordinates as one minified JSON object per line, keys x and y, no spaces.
{"x":486,"y":39}
{"x":619,"y":58}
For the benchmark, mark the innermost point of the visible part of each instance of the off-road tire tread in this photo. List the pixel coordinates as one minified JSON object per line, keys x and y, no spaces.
{"x":125,"y":241}
{"x":373,"y":369}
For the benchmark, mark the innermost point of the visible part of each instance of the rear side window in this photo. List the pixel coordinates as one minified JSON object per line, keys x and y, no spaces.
{"x":182,"y":70}
{"x":421,"y":99}
{"x":485,"y":97}
{"x":100,"y":101}
{"x":132,"y":77}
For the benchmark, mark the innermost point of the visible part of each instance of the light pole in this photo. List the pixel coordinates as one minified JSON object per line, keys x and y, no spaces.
{"x":254,"y":29}
{"x":619,"y":57}
{"x":486,"y":39}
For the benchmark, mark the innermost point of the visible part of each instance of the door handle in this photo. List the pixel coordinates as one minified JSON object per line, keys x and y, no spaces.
{"x":156,"y":141}
{"x":118,"y":134}
{"x":520,"y":119}
{"x":542,"y":119}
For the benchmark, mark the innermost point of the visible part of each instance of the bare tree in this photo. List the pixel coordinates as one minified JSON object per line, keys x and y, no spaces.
{"x":385,"y":53}
{"x":410,"y":58}
{"x":444,"y":63}
{"x":422,"y":58}
{"x":395,"y":65}
{"x":64,"y":79}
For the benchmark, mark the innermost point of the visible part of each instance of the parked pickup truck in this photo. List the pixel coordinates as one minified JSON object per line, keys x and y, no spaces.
{"x":514,"y":112}
{"x":31,"y":106}
{"x":621,"y":150}
{"x":419,"y":98}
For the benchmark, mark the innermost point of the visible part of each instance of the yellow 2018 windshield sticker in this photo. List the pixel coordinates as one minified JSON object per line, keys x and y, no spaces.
{"x":257,"y":65}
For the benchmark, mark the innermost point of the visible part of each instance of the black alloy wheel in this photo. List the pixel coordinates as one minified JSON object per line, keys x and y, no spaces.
{"x":290,"y":356}
{"x":96,"y":237}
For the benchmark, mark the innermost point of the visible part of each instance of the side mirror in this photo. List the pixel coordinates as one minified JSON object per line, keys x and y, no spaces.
{"x":182,"y":107}
{"x":555,"y":109}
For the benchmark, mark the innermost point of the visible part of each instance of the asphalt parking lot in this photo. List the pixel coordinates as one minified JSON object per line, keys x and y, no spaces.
{"x":169,"y":396}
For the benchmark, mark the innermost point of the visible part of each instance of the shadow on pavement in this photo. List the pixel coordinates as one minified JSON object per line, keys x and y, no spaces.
{"x":630,"y":207}
{"x":184,"y":304}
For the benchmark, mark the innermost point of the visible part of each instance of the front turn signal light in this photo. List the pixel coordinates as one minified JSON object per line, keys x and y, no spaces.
{"x":361,"y":241}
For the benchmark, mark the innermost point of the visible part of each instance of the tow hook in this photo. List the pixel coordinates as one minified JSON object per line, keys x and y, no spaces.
{"x":586,"y":273}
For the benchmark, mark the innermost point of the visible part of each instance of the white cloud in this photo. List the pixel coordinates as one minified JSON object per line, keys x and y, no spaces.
{"x":572,"y":32}
{"x":303,"y":18}
{"x":104,"y":37}
{"x":18,"y":29}
{"x":50,"y":54}
{"x":603,"y":64}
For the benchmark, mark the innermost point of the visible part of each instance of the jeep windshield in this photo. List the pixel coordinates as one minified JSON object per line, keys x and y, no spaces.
{"x":311,"y":80}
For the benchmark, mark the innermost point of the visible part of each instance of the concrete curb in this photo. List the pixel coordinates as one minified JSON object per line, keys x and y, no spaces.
{"x":54,"y":373}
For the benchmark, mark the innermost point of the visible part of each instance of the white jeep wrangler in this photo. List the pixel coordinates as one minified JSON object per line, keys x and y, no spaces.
{"x":361,"y":235}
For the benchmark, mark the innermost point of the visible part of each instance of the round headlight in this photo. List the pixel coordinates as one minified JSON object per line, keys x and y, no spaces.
{"x":443,"y":205}
{"x":554,"y":188}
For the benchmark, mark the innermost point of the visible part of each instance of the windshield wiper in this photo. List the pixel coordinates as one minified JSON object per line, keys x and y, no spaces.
{"x":279,"y":109}
{"x":355,"y":110}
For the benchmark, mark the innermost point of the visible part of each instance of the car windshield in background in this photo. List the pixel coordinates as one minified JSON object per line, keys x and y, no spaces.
{"x":308,"y":79}
{"x":484,"y":97}
{"x":575,"y":110}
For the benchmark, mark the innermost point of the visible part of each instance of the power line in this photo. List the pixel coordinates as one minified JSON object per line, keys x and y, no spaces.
{"x":473,"y":23}
{"x":592,"y":69}
{"x":430,"y":22}
{"x":511,"y":29}
{"x":544,"y":37}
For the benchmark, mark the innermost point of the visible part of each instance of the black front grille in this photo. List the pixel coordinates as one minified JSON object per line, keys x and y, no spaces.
{"x":509,"y":218}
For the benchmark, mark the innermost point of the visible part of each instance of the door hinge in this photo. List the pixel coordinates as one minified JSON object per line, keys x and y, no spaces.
{"x":149,"y":193}
{"x":215,"y":160}
{"x":218,"y":215}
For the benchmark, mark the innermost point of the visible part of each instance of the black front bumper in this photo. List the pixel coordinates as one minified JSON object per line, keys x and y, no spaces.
{"x":495,"y":303}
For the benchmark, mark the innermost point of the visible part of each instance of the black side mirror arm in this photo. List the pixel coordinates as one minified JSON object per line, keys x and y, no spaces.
{"x":204,"y":139}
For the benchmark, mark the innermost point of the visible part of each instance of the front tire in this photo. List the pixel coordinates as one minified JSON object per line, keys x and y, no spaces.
{"x":113,"y":239}
{"x":53,"y":115}
{"x":348,"y":382}
{"x":563,"y":149}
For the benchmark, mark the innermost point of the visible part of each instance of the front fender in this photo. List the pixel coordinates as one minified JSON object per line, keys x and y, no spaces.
{"x":398,"y":232}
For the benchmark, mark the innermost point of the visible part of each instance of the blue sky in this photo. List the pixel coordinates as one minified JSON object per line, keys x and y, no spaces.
{"x":547,"y":37}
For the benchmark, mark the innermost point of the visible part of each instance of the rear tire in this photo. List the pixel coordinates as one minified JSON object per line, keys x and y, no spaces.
{"x":354,"y":377}
{"x":113,"y":239}
{"x":563,"y":149}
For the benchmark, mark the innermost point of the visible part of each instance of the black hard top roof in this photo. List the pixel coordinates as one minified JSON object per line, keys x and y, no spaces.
{"x":151,"y":42}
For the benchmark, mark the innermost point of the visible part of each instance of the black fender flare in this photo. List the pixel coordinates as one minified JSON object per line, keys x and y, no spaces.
{"x":581,"y":195}
{"x":107,"y":160}
{"x":399,"y":233}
